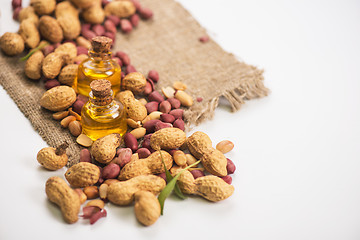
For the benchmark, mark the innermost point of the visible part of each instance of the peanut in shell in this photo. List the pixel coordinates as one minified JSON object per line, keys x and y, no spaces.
{"x":167,"y":138}
{"x":65,"y":197}
{"x":82,"y":174}
{"x":145,"y":166}
{"x":122,"y":193}
{"x":213,"y":188}
{"x":58,"y":98}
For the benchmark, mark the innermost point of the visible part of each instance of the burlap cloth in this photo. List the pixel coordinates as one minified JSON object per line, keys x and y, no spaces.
{"x":168,"y":43}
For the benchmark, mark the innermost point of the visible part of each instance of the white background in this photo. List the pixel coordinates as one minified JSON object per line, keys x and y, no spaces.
{"x":297,"y":151}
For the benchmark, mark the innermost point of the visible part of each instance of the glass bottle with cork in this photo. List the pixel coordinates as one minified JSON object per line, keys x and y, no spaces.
{"x":99,"y":65}
{"x":102,"y":115}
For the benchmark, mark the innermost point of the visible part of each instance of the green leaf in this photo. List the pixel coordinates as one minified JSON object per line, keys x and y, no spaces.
{"x":34,"y":50}
{"x":169,"y":177}
{"x":170,"y":186}
{"x":178,"y":192}
{"x":166,"y":192}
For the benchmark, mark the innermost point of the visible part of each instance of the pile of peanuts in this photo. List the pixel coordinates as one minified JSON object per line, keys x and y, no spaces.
{"x":121,"y":170}
{"x":131,"y":168}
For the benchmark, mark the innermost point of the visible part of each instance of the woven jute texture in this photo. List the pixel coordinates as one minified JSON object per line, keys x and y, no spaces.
{"x":168,"y":43}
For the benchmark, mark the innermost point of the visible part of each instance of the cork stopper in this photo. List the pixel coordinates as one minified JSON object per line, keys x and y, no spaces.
{"x":101,"y":44}
{"x":101,"y":90}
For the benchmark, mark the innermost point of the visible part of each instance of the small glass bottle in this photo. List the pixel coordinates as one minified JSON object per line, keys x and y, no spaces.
{"x":99,"y":65}
{"x":102,"y":115}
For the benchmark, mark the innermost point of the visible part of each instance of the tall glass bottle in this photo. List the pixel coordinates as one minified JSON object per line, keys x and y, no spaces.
{"x":99,"y":65}
{"x":102,"y":115}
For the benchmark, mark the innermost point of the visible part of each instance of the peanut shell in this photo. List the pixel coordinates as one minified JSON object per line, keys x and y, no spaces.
{"x":215,"y":162}
{"x":50,"y":29}
{"x":94,"y":14}
{"x":121,"y":9}
{"x":33,"y":65}
{"x":145,"y":166}
{"x":199,"y":143}
{"x":133,"y":107}
{"x":43,"y":7}
{"x":167,"y":138}
{"x":82,"y":174}
{"x":65,"y":197}
{"x":104,"y":149}
{"x":58,"y":98}
{"x":29,"y":32}
{"x":185,"y":181}
{"x":82,"y":3}
{"x":68,"y":74}
{"x":122,"y":193}
{"x":134,"y":82}
{"x":28,"y":13}
{"x":147,"y":208}
{"x":49,"y":160}
{"x":213,"y":188}
{"x":67,"y":48}
{"x":68,"y":18}
{"x":53,"y":63}
{"x":12,"y":43}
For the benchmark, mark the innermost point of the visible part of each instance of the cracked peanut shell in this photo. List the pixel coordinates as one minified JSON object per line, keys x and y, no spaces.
{"x":48,"y":158}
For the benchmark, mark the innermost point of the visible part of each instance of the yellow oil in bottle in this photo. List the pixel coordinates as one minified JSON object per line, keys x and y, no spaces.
{"x":99,"y":65}
{"x":102,"y":115}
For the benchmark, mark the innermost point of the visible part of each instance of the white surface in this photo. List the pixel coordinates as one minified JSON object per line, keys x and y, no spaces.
{"x":297,"y":150}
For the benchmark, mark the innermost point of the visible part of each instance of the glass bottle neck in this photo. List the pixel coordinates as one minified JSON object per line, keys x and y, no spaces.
{"x":98,"y":56}
{"x":103,"y":101}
